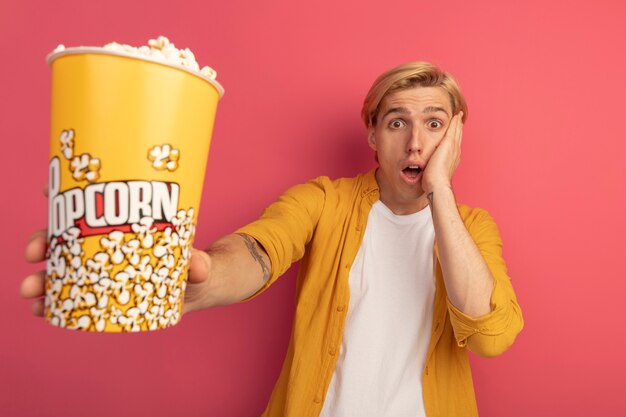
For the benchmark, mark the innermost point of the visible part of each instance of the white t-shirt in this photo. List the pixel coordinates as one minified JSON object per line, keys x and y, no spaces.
{"x":387,"y":332}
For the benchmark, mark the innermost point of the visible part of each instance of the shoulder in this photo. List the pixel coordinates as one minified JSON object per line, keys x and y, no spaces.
{"x":471,"y":214}
{"x":337,"y":186}
{"x":361,"y":182}
{"x":478,"y":221}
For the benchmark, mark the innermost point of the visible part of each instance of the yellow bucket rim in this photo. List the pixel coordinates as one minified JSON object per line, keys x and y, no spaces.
{"x":95,"y":50}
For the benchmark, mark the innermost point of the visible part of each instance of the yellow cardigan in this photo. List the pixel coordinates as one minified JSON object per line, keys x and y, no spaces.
{"x":322,"y":223}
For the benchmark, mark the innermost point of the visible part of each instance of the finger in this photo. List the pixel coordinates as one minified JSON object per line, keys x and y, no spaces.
{"x":186,"y":308}
{"x":46,"y":189}
{"x":37,"y":246}
{"x":33,"y":285}
{"x":38,"y":307}
{"x":452,"y":130}
{"x":460,"y":129}
{"x":199,"y":266}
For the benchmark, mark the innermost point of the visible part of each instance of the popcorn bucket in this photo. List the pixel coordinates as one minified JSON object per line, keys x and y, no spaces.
{"x":130,"y":139}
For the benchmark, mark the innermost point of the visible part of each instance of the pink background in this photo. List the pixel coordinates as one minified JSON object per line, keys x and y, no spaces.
{"x":543,"y":151}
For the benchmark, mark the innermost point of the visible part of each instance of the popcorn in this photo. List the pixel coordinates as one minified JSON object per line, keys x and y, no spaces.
{"x":67,"y":143}
{"x":112,"y":246}
{"x":164,"y":157}
{"x":208,"y":72}
{"x":56,"y":265}
{"x":161,"y":48}
{"x":145,"y":231}
{"x":132,"y":251}
{"x":85,"y":168}
{"x":135,"y":282}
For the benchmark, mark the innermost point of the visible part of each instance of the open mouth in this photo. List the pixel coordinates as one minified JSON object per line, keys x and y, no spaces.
{"x":412,"y":172}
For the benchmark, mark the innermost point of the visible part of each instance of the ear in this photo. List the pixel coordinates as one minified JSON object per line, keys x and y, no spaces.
{"x":371,"y":138}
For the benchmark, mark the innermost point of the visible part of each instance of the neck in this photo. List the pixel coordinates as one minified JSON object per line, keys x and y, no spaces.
{"x":397,"y":203}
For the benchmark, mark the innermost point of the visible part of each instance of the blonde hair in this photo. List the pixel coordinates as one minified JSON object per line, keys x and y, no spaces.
{"x":409,"y":75}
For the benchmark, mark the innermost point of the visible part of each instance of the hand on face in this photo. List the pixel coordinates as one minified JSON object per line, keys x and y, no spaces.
{"x":446,"y":157}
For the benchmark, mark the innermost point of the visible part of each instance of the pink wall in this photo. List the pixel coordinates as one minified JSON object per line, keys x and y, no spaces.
{"x":544,"y":151}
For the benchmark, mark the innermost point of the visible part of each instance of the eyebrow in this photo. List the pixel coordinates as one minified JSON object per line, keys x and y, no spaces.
{"x":401,"y":110}
{"x":404,"y":110}
{"x":433,"y":109}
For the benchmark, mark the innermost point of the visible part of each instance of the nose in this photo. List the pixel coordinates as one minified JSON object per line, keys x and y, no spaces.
{"x":415,"y":142}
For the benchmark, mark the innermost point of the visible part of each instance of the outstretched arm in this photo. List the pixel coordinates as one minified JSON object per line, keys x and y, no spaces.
{"x":230,"y":270}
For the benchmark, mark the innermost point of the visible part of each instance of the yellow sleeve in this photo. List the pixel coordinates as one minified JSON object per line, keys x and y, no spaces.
{"x":286,"y":226}
{"x":495,"y":332}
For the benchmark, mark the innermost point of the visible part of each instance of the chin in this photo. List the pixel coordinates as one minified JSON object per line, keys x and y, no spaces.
{"x":411,"y":192}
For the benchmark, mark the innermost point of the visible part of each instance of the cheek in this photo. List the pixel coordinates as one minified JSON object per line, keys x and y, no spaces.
{"x":435,"y":138}
{"x":388,"y":150}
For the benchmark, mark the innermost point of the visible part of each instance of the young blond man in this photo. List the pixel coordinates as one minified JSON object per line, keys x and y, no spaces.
{"x":397,"y":281}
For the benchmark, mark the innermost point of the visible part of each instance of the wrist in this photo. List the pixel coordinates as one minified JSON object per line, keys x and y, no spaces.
{"x":440,"y":186}
{"x":442,"y":194}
